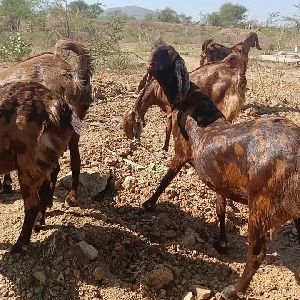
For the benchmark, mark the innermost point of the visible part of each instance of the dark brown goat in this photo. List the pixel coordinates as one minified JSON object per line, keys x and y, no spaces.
{"x":51,"y":70}
{"x":256,"y":163}
{"x":224,"y":82}
{"x":215,"y":52}
{"x":35,"y":127}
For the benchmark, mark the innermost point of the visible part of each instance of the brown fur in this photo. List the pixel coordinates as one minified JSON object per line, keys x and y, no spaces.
{"x":72,"y":83}
{"x":35,"y":127}
{"x":224,"y":82}
{"x":243,"y":162}
{"x":215,"y":52}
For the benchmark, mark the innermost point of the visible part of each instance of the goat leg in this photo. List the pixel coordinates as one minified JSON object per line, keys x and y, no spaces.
{"x":46,"y":193}
{"x":222,"y":242}
{"x":30,"y":195}
{"x":175,"y":166}
{"x":255,"y":256}
{"x":75,"y":167}
{"x":6,"y":187}
{"x":297,"y":225}
{"x":168,"y":132}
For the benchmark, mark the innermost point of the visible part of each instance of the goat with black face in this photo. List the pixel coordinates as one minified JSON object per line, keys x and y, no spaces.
{"x":256,"y":163}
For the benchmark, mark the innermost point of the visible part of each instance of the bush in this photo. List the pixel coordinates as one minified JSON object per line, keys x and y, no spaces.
{"x":14,"y":48}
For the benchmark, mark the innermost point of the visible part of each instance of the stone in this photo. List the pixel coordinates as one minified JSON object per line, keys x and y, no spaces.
{"x":90,"y":183}
{"x":99,"y":273}
{"x":160,"y":276}
{"x":189,"y":239}
{"x":129,"y":182}
{"x":88,"y":250}
{"x":169,"y":234}
{"x":188,"y":296}
{"x":201,"y":293}
{"x":40,"y":276}
{"x":79,"y":235}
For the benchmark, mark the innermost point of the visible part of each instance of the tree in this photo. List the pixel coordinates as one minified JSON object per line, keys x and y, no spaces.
{"x":295,"y":19}
{"x":228,"y":15}
{"x":78,"y":5}
{"x":95,"y":10}
{"x":273,"y":19}
{"x":232,"y":14}
{"x":16,"y":10}
{"x":167,"y":15}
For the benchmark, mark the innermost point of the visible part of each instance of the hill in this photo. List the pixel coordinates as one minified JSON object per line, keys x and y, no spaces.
{"x":136,"y":12}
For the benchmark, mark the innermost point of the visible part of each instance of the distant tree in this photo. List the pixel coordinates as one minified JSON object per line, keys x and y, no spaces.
{"x":272,"y":19}
{"x":295,"y":19}
{"x":185,"y":19}
{"x":78,"y":5}
{"x":167,"y":15}
{"x":15,"y":11}
{"x":232,"y":14}
{"x":95,"y":10}
{"x":212,"y":19}
{"x":228,"y":15}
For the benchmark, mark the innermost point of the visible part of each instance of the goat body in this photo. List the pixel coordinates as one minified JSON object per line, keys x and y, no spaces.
{"x":51,"y":70}
{"x":224,"y":82}
{"x":215,"y":52}
{"x":255,"y":163}
{"x":35,"y":127}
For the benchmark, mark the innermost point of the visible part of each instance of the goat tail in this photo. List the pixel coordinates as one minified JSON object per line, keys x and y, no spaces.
{"x":86,"y":68}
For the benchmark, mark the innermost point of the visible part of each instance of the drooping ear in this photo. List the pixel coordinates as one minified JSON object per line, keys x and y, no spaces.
{"x":182,"y":80}
{"x":257,"y":43}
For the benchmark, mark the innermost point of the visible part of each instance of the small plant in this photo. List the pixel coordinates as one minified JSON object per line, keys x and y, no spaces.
{"x":14,"y":48}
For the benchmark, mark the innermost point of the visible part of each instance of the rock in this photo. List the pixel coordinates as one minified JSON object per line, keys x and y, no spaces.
{"x":88,"y":250}
{"x":99,"y":273}
{"x":79,"y":235}
{"x":161,"y":222}
{"x":90,"y":183}
{"x":189,"y":239}
{"x":188,"y":296}
{"x":40,"y":276}
{"x":201,"y":293}
{"x":169,"y":234}
{"x":129,"y":182}
{"x":160,"y":277}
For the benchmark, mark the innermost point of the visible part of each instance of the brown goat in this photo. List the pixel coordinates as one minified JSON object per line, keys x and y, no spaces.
{"x":215,"y":52}
{"x":35,"y":127}
{"x":51,"y":70}
{"x":224,"y":82}
{"x":256,"y":163}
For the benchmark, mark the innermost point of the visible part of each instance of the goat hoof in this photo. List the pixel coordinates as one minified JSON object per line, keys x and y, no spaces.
{"x":18,"y":249}
{"x":221,"y":247}
{"x":230,"y":293}
{"x":149,"y":206}
{"x":70,"y":201}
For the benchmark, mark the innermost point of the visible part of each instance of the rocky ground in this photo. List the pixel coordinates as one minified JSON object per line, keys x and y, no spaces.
{"x":109,"y":249}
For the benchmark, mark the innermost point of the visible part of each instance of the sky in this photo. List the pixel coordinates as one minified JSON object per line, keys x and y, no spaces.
{"x":257,"y":9}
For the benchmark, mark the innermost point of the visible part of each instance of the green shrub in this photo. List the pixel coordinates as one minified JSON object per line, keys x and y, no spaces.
{"x":14,"y":48}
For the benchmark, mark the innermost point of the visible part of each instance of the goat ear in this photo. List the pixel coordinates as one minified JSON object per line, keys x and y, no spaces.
{"x":182,"y":79}
{"x":257,"y":43}
{"x":128,"y":124}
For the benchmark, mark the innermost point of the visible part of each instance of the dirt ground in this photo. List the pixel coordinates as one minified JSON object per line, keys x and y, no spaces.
{"x":132,"y":243}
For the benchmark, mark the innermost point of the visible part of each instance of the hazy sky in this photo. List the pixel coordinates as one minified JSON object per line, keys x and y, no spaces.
{"x":258,"y":9}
